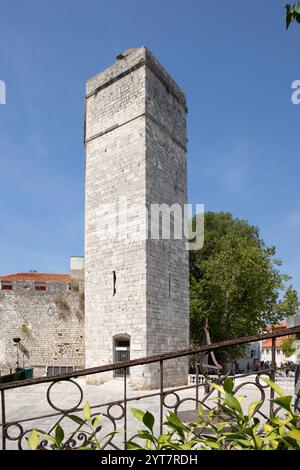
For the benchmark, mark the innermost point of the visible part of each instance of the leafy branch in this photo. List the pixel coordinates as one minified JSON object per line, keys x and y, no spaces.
{"x":292,"y":13}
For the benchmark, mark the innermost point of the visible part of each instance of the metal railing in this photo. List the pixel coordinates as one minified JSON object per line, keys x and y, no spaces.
{"x":15,"y":430}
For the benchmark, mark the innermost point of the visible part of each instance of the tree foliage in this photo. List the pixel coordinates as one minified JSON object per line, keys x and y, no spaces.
{"x":235,"y":281}
{"x":288,"y":346}
{"x":292,"y":13}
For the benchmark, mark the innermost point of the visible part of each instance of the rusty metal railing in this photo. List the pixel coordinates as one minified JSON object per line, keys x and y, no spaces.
{"x":14,"y":431}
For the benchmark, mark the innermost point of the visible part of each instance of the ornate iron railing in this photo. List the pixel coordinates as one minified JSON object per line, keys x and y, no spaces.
{"x":18,"y":397}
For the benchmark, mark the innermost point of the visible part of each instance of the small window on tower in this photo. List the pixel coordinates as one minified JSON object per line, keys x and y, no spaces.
{"x":40,"y":286}
{"x":114,"y":283}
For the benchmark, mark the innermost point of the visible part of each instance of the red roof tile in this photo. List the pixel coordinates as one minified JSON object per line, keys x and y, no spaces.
{"x":36,"y":277}
{"x":267,"y":343}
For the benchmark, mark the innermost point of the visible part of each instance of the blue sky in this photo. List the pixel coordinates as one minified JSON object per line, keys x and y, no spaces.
{"x":233,"y":59}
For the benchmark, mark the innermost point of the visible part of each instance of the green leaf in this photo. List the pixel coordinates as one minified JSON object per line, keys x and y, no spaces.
{"x":217,"y":387}
{"x":253,"y":407}
{"x":200,"y":409}
{"x":87,"y":412}
{"x":138,"y":414}
{"x":240,"y":398}
{"x":133,"y":446}
{"x":233,"y":403}
{"x":146,"y":435}
{"x":288,"y":19}
{"x":33,"y":440}
{"x":258,"y":441}
{"x":164,"y":438}
{"x":211,"y":443}
{"x":59,"y":434}
{"x":297,"y":7}
{"x":148,"y":420}
{"x":96,"y":420}
{"x":85,"y":448}
{"x":284,"y":402}
{"x":268,"y":428}
{"x":76,"y":419}
{"x":174,"y":421}
{"x":275,"y":387}
{"x":294,"y":434}
{"x":244,"y":443}
{"x":221,"y":426}
{"x":228,"y":385}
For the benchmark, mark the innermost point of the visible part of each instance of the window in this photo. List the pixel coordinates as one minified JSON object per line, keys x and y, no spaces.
{"x":114,"y":283}
{"x":267,"y":351}
{"x":121,"y":344}
{"x":58,"y":370}
{"x":278,"y":351}
{"x":6,"y":285}
{"x":40,"y":286}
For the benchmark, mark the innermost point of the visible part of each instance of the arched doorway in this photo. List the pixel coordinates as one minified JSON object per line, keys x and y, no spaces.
{"x":121,"y":352}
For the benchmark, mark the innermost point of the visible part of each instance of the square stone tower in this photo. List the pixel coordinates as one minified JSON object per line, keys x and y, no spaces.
{"x":136,"y":287}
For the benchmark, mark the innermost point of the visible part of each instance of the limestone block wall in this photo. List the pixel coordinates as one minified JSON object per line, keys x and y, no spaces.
{"x":135,"y":142}
{"x":50,"y":324}
{"x":115,"y":166}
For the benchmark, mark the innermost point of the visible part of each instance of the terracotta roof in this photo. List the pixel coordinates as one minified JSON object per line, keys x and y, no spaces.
{"x":267,"y":343}
{"x":277,"y":326}
{"x":36,"y":277}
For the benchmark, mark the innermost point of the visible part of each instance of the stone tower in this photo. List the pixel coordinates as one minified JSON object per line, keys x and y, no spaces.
{"x":136,"y":288}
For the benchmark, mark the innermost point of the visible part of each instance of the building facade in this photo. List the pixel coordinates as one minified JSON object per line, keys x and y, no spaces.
{"x":46,"y":311}
{"x":280,"y":357}
{"x":136,"y":287}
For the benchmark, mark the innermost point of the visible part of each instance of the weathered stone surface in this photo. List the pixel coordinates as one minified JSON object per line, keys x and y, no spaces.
{"x":50,"y":324}
{"x":135,"y":148}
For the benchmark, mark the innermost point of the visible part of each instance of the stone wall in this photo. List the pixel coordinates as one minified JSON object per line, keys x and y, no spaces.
{"x":135,"y":140}
{"x":167,"y":260}
{"x":50,"y":324}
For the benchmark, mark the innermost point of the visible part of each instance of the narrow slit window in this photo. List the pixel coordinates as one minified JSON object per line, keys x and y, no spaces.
{"x":169,"y":285}
{"x":114,"y":282}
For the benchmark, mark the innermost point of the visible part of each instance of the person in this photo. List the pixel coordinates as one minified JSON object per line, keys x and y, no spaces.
{"x":287,"y":370}
{"x":248,"y":367}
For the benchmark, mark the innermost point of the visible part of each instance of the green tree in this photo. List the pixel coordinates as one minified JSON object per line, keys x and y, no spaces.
{"x":235,"y":281}
{"x":288,"y":346}
{"x":292,"y":13}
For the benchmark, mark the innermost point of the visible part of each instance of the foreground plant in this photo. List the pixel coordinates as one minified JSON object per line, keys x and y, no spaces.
{"x":226,"y":427}
{"x":87,"y":434}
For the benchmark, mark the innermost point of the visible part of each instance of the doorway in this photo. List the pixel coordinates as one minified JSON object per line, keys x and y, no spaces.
{"x":121,"y":353}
